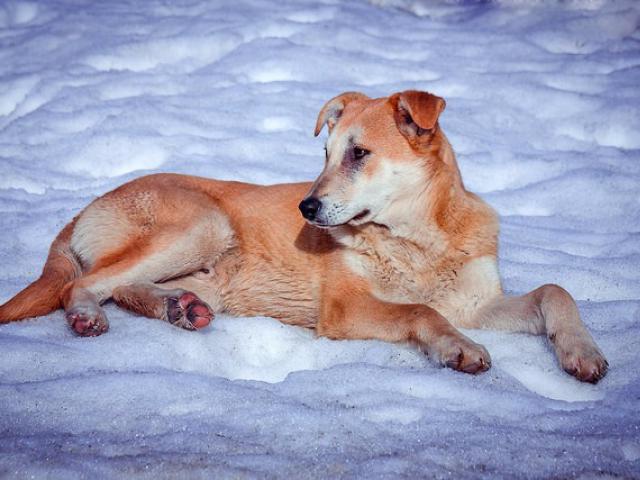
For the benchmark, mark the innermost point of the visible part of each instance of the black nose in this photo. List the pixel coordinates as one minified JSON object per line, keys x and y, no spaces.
{"x":309,"y":207}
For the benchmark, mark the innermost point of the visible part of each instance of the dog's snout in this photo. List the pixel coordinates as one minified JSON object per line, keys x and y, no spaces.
{"x":310,"y":207}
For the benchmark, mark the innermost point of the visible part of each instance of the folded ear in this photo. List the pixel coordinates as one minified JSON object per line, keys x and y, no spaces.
{"x":332,"y":110}
{"x":416,"y":113}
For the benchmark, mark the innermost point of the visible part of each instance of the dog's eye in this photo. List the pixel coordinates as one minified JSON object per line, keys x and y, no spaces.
{"x":359,"y":153}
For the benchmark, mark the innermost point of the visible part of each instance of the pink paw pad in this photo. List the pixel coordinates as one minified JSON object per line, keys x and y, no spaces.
{"x":87,"y":325}
{"x":188,"y":311}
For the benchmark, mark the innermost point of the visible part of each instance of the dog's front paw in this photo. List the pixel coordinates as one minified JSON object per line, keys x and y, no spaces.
{"x":460,"y":353}
{"x":581,"y":358}
{"x":188,"y":311}
{"x":87,"y":321}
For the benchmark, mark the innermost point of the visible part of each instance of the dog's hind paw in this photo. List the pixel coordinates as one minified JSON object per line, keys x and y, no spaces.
{"x":188,"y":311}
{"x":87,"y":321}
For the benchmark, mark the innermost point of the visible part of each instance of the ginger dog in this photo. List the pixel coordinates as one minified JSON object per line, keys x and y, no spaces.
{"x":393,"y":248}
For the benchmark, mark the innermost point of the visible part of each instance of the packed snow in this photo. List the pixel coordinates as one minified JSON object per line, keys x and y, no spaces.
{"x":543,"y":110}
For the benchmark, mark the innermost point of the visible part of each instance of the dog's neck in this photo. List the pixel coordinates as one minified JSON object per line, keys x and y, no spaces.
{"x":438,"y":206}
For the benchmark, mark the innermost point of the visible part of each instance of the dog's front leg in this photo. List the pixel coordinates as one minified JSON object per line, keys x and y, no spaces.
{"x":548,"y":310}
{"x":352,"y":313}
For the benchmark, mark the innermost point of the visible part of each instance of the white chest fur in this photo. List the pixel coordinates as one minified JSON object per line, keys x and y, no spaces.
{"x":401,"y":271}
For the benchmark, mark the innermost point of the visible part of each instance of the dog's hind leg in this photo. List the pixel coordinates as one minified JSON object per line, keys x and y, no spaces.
{"x":179,"y":307}
{"x":83,"y":297}
{"x":548,"y":310}
{"x":168,"y":254}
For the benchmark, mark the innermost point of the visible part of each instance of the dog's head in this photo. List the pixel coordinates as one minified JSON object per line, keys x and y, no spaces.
{"x":380,"y":154}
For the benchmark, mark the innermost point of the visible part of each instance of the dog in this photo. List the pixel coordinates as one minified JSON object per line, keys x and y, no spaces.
{"x":390,"y":245}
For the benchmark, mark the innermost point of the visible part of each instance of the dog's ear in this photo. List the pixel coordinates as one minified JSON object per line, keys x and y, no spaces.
{"x":332,"y":110}
{"x":416,"y":113}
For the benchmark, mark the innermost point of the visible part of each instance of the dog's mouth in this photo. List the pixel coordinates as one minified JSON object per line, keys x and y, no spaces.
{"x":361,"y":216}
{"x":357,"y":219}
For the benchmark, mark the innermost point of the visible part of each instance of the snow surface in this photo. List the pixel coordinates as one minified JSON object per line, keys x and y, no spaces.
{"x":543,"y":111}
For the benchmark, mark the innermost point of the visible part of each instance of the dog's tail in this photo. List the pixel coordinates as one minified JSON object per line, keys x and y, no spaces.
{"x":45,"y":294}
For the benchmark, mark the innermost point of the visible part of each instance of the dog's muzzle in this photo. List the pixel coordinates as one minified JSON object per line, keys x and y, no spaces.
{"x":310,"y":208}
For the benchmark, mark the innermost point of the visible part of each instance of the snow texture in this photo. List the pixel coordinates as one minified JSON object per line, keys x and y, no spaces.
{"x":543,"y":110}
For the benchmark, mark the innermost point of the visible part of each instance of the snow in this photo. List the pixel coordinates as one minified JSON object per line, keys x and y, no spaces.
{"x":542,"y":109}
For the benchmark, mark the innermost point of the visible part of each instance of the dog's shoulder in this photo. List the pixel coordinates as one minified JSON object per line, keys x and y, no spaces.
{"x":472,"y":227}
